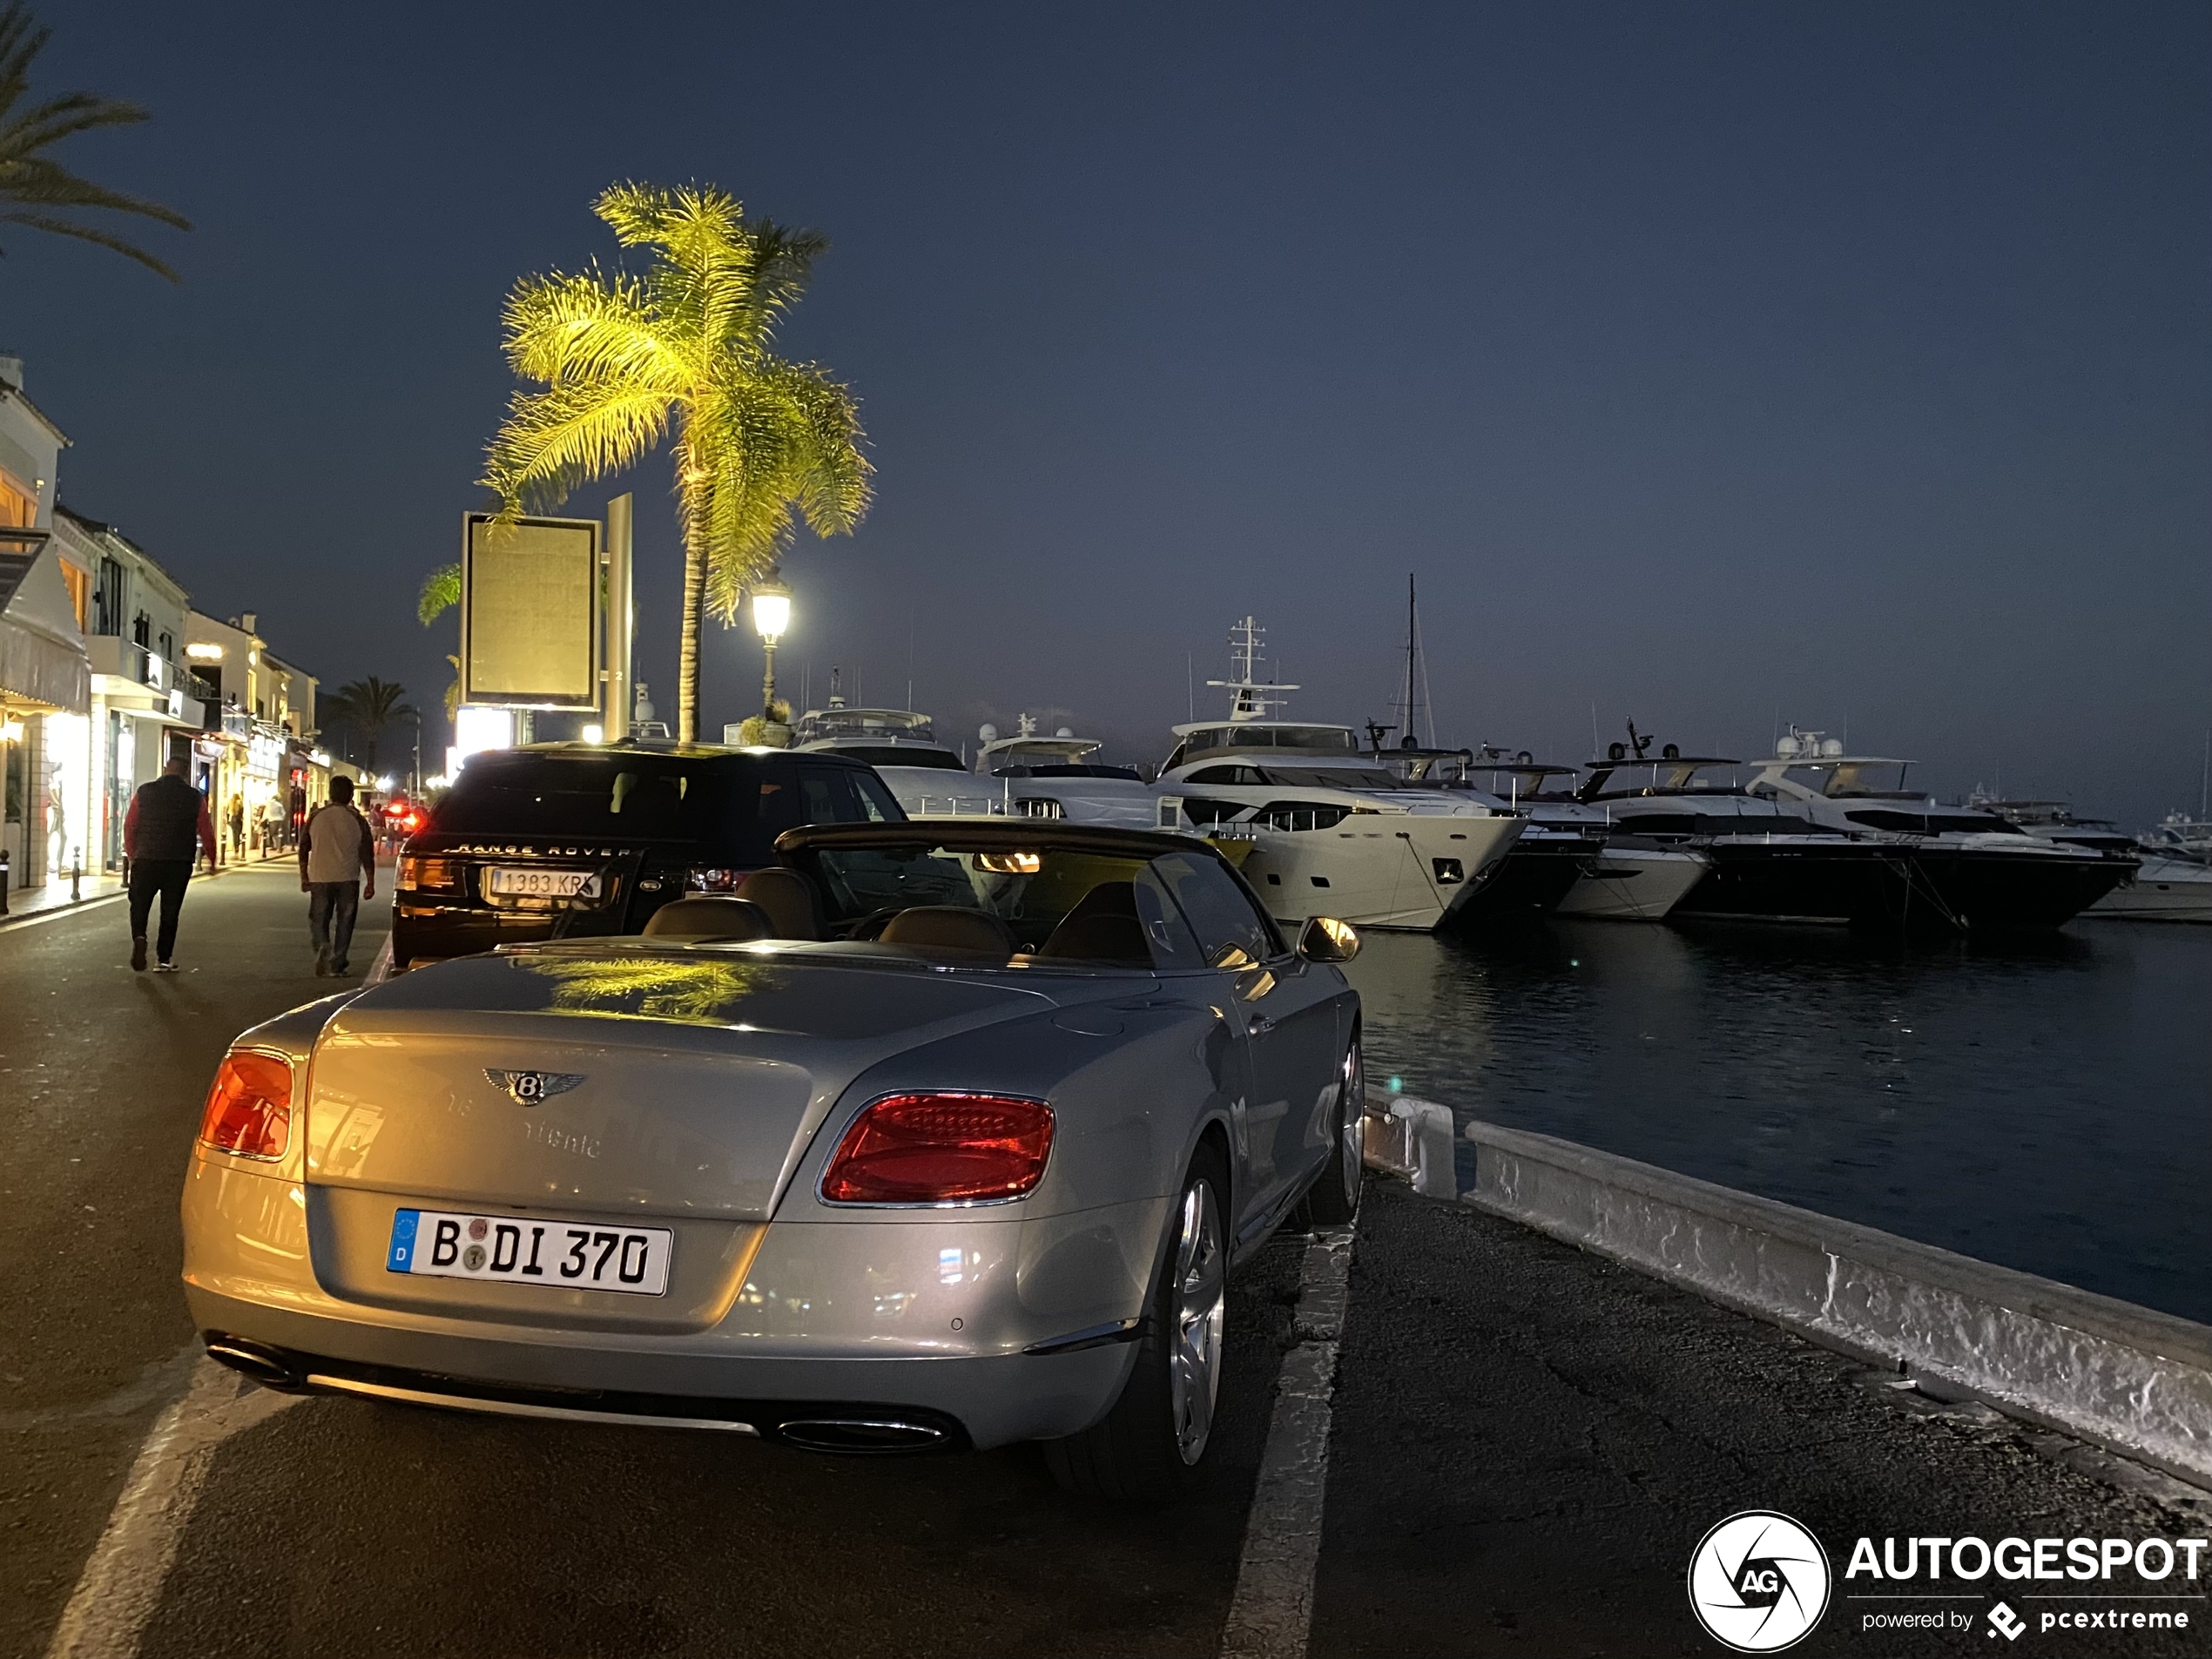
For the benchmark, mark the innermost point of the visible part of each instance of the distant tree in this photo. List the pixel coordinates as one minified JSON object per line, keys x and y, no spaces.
{"x":365,"y":707}
{"x":32,"y":183}
{"x":624,"y":358}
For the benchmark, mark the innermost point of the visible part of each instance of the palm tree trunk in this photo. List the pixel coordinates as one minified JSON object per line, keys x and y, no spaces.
{"x":687,"y":659}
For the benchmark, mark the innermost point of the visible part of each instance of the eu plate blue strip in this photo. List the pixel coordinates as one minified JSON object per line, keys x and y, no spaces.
{"x":403,"y":1226}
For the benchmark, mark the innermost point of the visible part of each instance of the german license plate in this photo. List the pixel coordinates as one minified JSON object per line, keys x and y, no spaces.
{"x":508,"y":882}
{"x":524,"y":1249}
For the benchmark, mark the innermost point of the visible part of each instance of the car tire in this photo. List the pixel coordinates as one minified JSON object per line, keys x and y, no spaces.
{"x":1151,"y":1446}
{"x":1333,"y":1198}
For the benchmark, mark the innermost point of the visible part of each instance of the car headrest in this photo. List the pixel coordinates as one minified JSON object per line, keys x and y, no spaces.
{"x":788,"y":897}
{"x":711,"y":915}
{"x":950,"y":928}
{"x":1099,"y":937}
{"x":1107,"y":898}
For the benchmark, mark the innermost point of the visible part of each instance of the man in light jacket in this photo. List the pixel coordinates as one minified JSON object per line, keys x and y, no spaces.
{"x":337,"y":870}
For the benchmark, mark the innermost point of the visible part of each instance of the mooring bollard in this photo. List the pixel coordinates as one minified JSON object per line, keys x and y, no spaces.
{"x":76,"y":883}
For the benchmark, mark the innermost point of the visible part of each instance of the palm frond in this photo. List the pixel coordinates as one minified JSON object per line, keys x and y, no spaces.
{"x":86,"y":233}
{"x":554,"y":439}
{"x":587,"y":327}
{"x":30,"y":180}
{"x":441,"y":592}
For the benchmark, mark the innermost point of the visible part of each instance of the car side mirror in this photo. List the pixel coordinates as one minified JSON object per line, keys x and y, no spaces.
{"x":1324,"y":939}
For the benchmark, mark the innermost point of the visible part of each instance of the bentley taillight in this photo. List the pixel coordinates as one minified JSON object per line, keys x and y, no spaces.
{"x":941,"y":1148}
{"x":249,"y":1109}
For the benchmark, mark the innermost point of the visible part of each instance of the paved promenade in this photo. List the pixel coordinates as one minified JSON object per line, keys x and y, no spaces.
{"x":1524,"y":1444}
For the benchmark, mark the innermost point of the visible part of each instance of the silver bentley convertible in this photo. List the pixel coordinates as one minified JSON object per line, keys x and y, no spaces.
{"x":933,"y":1135}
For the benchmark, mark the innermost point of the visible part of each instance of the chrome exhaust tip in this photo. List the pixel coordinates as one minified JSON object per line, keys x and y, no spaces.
{"x":271,"y":1367}
{"x":863,"y":1436}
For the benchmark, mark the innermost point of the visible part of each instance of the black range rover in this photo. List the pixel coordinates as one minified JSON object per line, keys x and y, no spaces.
{"x":561,"y":841}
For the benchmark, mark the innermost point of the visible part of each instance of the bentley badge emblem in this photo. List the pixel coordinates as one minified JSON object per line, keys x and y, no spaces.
{"x":528,"y":1087}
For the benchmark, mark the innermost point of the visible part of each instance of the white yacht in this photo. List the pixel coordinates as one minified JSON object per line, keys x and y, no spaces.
{"x":1333,"y":833}
{"x":1618,"y":876}
{"x":1059,"y":777}
{"x":928,"y":779}
{"x":2173,"y":879}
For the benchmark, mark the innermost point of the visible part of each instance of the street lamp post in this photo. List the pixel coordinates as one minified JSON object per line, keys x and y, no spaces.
{"x":770,"y":617}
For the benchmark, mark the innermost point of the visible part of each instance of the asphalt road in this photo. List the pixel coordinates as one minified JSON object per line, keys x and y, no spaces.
{"x":1527,"y":1442}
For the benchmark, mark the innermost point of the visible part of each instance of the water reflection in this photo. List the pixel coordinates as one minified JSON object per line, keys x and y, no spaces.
{"x":2045,"y":1103}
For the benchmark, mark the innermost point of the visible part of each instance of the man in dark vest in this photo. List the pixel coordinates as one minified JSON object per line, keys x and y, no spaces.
{"x":166,"y":829}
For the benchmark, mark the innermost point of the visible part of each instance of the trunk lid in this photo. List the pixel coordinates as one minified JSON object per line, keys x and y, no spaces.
{"x":679,"y":1084}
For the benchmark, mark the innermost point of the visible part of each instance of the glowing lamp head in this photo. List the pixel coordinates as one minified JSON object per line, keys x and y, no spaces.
{"x":595,"y":734}
{"x":771,"y":607}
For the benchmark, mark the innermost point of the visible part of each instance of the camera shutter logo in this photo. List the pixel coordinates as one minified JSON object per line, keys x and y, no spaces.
{"x":528,"y":1087}
{"x":1758,"y":1582}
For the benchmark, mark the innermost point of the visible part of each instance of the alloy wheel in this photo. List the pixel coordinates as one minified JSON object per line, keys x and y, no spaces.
{"x":1201,"y":1308}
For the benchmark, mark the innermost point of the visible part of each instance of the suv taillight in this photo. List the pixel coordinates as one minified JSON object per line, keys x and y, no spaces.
{"x":417,"y":872}
{"x":941,"y":1148}
{"x":709,"y":879}
{"x":249,"y":1109}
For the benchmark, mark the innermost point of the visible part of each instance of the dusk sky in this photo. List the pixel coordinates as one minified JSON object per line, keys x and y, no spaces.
{"x":1710,"y":365}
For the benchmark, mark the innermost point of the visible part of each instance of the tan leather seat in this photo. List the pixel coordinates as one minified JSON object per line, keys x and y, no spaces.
{"x":788,"y":897}
{"x":953,"y":929}
{"x":710,"y":915}
{"x":1102,"y":928}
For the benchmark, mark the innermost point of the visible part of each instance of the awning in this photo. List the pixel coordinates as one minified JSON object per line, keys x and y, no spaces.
{"x":36,"y":666}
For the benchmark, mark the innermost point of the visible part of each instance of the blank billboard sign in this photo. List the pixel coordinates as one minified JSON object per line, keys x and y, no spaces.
{"x":529,"y":612}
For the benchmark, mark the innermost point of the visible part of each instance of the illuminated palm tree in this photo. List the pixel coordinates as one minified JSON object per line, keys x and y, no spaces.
{"x":33,"y":186}
{"x":626,"y":359}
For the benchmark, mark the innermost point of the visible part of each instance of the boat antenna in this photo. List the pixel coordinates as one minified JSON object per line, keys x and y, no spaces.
{"x":1597,"y":745}
{"x":2204,"y":788}
{"x":837,"y":684}
{"x":1190,"y":686}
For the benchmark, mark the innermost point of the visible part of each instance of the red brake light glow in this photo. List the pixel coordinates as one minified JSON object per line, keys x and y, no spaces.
{"x":941,"y":1148}
{"x":249,"y":1109}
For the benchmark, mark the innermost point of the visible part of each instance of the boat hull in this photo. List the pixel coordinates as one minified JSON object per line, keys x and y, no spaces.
{"x":2163,"y":890}
{"x":1635,"y":885}
{"x":1529,"y":882}
{"x":1397,"y":871}
{"x":1930,"y":887}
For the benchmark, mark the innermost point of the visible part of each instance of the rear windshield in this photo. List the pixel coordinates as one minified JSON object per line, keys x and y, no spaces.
{"x":731,"y":808}
{"x":1047,"y":908}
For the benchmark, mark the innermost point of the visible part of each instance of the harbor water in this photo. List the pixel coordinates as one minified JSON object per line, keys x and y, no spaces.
{"x":2043,"y":1103}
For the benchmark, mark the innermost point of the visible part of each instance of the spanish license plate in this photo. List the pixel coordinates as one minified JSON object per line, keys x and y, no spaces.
{"x":524,"y":1249}
{"x":509,"y":881}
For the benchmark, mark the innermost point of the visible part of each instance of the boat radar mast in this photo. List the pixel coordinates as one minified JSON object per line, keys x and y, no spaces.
{"x":1250,"y":698}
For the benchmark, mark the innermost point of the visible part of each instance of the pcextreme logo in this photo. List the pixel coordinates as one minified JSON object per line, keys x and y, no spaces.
{"x":1758,"y":1582}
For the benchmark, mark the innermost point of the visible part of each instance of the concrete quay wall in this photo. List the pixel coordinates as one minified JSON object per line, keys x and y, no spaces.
{"x":2126,"y":1378}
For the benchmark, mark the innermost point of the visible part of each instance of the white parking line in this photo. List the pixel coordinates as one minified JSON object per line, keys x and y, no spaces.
{"x":122,"y":1583}
{"x":1272,"y":1615}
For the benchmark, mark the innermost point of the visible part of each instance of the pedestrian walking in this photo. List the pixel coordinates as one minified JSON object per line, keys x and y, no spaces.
{"x":238,"y":827}
{"x":337,"y":871}
{"x":166,"y":832}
